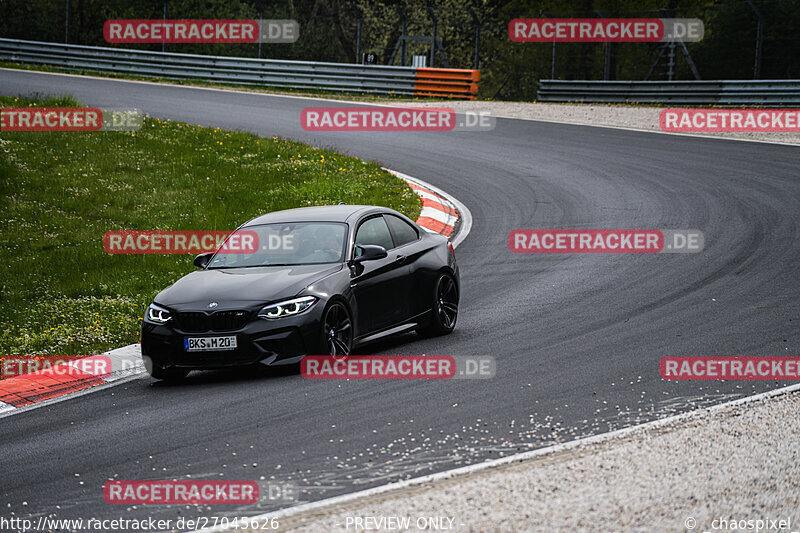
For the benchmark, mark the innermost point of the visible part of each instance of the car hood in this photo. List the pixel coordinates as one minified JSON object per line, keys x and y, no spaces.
{"x":236,"y":287}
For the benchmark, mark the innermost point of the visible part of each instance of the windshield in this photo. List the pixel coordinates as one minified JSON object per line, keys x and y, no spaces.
{"x":299,"y":243}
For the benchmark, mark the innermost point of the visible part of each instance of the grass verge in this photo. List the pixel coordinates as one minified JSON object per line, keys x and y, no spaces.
{"x":61,"y":293}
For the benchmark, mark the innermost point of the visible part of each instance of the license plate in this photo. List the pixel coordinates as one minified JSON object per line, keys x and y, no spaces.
{"x":209,"y":344}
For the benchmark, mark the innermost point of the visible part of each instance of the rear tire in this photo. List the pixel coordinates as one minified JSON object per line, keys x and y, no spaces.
{"x":444,"y":311}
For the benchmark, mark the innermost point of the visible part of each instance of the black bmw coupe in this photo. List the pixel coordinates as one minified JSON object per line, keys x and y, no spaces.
{"x":321,"y":280}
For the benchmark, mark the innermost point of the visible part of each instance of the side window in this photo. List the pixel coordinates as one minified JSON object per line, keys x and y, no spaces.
{"x":374,"y":231}
{"x":403,"y":232}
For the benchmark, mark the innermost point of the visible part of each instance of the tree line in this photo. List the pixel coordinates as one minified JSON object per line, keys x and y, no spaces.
{"x":472,"y":33}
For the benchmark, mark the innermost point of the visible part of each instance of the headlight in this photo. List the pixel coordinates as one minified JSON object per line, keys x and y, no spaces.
{"x":287,"y":308}
{"x":159,"y":315}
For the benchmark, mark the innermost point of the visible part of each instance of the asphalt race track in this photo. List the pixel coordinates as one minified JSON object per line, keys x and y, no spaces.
{"x":577,"y":338}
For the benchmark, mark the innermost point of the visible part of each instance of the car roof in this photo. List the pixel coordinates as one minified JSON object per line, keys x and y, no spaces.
{"x":325,"y":213}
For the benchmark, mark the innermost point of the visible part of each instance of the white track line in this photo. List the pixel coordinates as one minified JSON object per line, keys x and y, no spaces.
{"x":494,"y":463}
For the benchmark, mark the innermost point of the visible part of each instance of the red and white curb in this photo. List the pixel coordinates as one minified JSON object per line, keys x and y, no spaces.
{"x":437,"y":215}
{"x":441,"y":213}
{"x":48,"y":386}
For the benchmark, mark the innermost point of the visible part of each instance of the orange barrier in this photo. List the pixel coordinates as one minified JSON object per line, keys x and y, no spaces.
{"x":447,"y":83}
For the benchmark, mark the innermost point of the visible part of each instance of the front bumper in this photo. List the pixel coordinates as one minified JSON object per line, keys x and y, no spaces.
{"x":270,"y":342}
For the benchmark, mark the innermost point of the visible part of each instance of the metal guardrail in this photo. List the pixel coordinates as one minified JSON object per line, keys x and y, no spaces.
{"x":340,"y":77}
{"x":718,"y":92}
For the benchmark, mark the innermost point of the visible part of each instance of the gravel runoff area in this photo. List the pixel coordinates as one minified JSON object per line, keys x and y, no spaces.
{"x":620,"y":116}
{"x":709,"y":470}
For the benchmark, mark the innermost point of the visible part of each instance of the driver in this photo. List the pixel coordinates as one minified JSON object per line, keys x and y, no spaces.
{"x":324,"y":245}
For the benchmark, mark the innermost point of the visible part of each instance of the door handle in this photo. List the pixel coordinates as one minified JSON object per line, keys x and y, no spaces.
{"x":400,"y":259}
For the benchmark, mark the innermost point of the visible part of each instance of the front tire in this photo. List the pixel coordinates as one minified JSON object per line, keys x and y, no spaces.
{"x":337,"y":330}
{"x":444,"y":311}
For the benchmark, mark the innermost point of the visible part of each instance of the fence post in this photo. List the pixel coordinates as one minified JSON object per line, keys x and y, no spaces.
{"x":476,"y":64}
{"x":759,"y":37}
{"x":433,"y":44}
{"x":359,"y":22}
{"x":164,"y":43}
{"x":66,"y":26}
{"x":555,"y":62}
{"x":403,"y":54}
{"x":261,"y":17}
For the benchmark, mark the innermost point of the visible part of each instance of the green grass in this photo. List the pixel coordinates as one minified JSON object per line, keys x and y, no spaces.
{"x":61,"y":293}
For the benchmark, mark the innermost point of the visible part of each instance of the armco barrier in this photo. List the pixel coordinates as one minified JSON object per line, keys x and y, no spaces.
{"x":719,"y":92}
{"x":441,"y":82}
{"x":447,"y":82}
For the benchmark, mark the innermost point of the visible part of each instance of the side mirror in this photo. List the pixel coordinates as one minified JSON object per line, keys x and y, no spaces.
{"x":201,"y":261}
{"x":370,"y":252}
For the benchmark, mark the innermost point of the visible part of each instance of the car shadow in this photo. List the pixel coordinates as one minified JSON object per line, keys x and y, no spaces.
{"x":230,"y":375}
{"x":387,"y":346}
